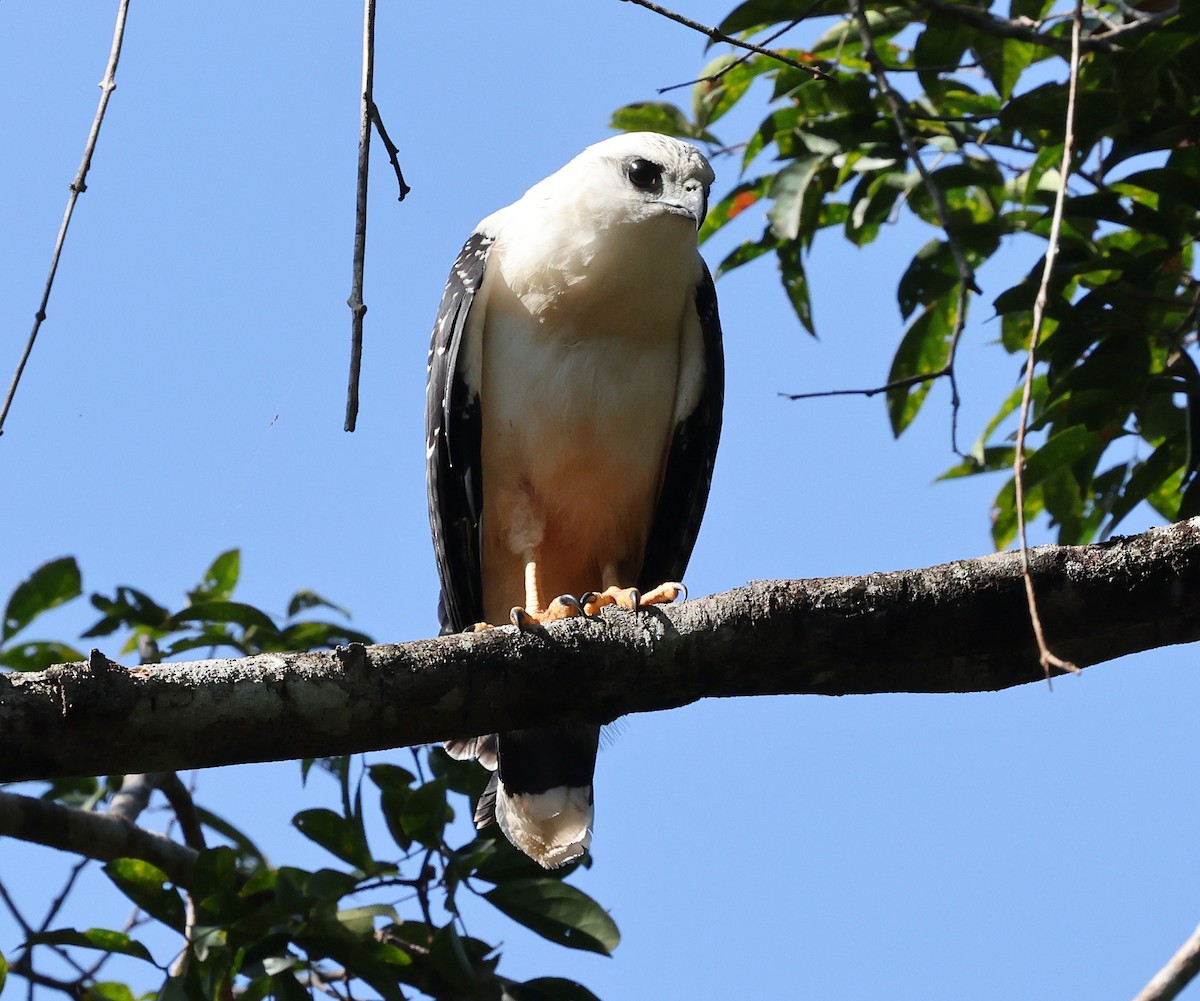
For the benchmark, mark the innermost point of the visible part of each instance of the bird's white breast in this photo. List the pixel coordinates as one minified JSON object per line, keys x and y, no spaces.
{"x":580,"y":350}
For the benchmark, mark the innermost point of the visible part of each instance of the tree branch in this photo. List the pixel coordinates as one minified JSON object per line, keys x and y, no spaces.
{"x":93,"y":835}
{"x":960,"y":627}
{"x":1025,"y":30}
{"x":719,"y":36}
{"x":1177,"y":974}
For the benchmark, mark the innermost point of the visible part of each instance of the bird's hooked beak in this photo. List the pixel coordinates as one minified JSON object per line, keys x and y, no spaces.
{"x":688,"y":199}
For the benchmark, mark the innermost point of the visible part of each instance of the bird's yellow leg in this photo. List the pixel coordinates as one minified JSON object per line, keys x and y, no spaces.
{"x":629,"y":597}
{"x":562,"y":607}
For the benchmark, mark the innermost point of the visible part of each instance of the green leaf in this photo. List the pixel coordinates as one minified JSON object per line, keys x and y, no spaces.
{"x":759,"y":13}
{"x":871,"y":203}
{"x":1189,"y":501}
{"x":558,"y":912}
{"x":733,"y":204}
{"x":108,"y":990}
{"x":360,"y":921}
{"x":319,"y":636}
{"x":220,"y":578}
{"x":297,"y":888}
{"x":3,"y":971}
{"x":1004,"y":60}
{"x":1145,"y":478}
{"x":1034,"y":10}
{"x":94,"y":938}
{"x":550,"y":989}
{"x":392,"y":777}
{"x":746,"y":252}
{"x":1004,"y":512}
{"x":211,"y":940}
{"x":929,"y":276}
{"x":656,"y":116}
{"x":49,"y":586}
{"x":215,"y":871}
{"x":788,"y":190}
{"x":448,"y":954}
{"x":130,"y":607}
{"x":39,"y":655}
{"x":425,"y":813}
{"x":795,"y":283}
{"x":989,"y":461}
{"x":722,"y":83}
{"x":843,"y":40}
{"x":305,"y":599}
{"x":174,"y":989}
{"x":335,"y":833}
{"x":466,"y":777}
{"x":1059,"y":450}
{"x":1167,"y":181}
{"x":940,"y":45}
{"x":223,"y":611}
{"x":245,"y":847}
{"x":924,"y":350}
{"x":148,"y":887}
{"x":285,"y":987}
{"x":379,"y":964}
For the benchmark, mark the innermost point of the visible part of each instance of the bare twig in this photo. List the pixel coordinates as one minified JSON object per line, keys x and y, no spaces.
{"x":945,"y":372}
{"x":960,"y":322}
{"x":392,"y":150}
{"x":57,"y":902}
{"x":745,"y":57}
{"x":1025,"y":30}
{"x":421,"y":886}
{"x":1048,"y":659}
{"x":23,"y":967}
{"x":358,"y":308}
{"x":15,"y":911}
{"x":910,"y":380}
{"x":180,"y":798}
{"x":719,"y":36}
{"x":78,"y":187}
{"x":1180,"y":970}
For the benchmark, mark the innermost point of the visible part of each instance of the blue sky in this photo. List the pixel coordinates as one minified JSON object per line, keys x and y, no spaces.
{"x":187,"y":394}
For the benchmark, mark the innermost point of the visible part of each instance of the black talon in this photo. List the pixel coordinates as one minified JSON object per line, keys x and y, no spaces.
{"x":520,"y":618}
{"x":635,"y":598}
{"x":567,"y":601}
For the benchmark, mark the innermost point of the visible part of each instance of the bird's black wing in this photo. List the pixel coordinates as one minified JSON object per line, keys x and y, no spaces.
{"x":690,"y":462}
{"x":454,"y":474}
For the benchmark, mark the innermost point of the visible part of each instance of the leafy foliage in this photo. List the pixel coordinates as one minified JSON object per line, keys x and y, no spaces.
{"x":977,"y":93}
{"x":259,"y":930}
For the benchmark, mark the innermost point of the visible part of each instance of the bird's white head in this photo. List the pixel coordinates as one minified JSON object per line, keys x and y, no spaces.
{"x":635,"y":176}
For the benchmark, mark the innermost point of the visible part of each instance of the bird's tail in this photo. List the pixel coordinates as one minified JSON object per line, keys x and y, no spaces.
{"x":541,"y":794}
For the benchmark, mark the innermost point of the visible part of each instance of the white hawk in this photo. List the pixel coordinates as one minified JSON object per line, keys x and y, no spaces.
{"x":573,"y":412}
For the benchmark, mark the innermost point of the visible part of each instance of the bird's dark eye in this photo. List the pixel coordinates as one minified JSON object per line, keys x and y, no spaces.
{"x":645,"y":175}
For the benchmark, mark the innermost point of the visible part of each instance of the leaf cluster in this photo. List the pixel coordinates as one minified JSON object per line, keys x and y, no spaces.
{"x":380,"y":921}
{"x":975,"y":95}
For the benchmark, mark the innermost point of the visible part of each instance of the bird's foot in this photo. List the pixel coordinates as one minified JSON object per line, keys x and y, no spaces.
{"x":631,"y":598}
{"x":562,"y":607}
